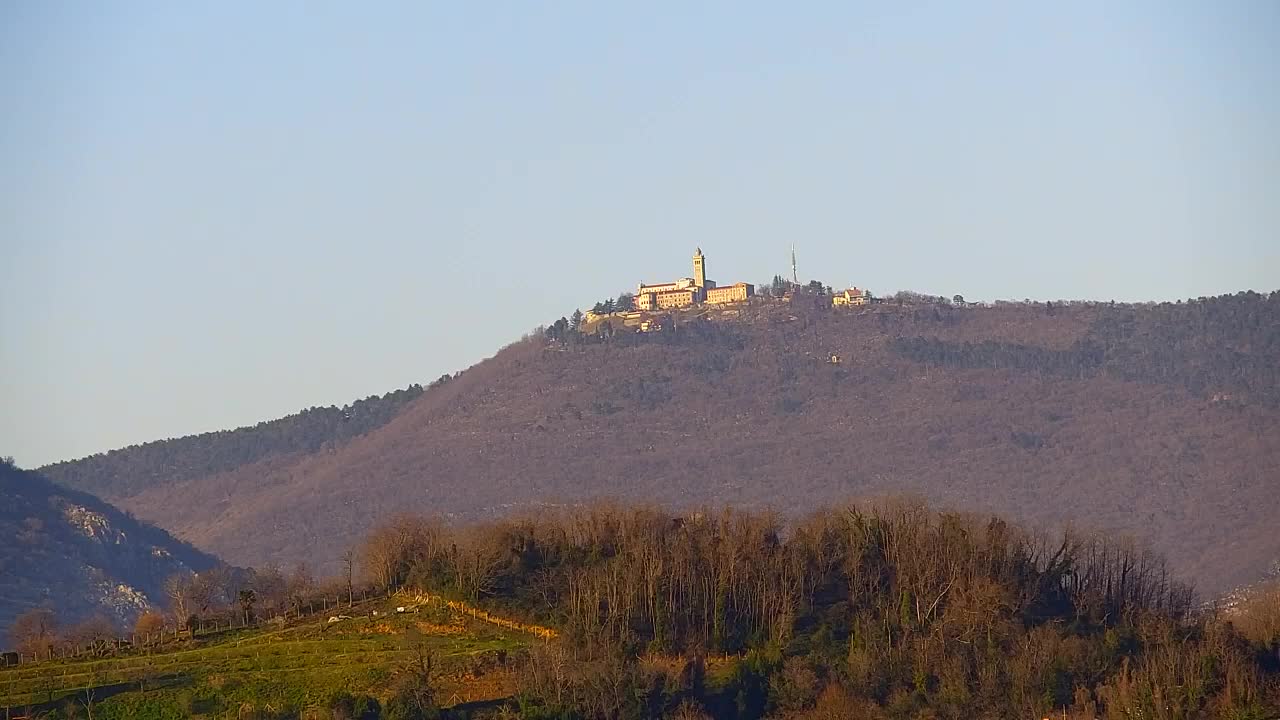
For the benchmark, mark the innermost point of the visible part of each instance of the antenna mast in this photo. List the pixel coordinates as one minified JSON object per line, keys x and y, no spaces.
{"x":795,"y":280}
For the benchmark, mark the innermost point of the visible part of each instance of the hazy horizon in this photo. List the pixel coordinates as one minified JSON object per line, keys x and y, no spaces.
{"x":214,"y":216}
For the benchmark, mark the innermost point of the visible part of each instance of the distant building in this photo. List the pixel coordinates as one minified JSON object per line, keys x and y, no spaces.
{"x":690,"y":291}
{"x":736,"y":292}
{"x":667,"y":295}
{"x":654,"y":323}
{"x":851,"y":296}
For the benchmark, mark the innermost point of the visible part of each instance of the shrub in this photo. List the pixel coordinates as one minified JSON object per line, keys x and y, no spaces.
{"x":412,"y":699}
{"x":345,"y":706}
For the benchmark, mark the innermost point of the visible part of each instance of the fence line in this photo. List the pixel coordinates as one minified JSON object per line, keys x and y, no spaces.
{"x":458,"y":606}
{"x":174,"y":633}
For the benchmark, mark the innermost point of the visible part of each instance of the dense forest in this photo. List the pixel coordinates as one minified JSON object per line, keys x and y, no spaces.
{"x":1224,"y":347}
{"x":120,"y":473}
{"x":874,"y":611}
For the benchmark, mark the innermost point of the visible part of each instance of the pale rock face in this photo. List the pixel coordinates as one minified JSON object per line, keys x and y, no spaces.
{"x":93,"y":559}
{"x":119,"y":600}
{"x":94,"y":525}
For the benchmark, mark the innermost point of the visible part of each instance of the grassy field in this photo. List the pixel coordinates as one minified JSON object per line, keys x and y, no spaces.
{"x":283,"y":671}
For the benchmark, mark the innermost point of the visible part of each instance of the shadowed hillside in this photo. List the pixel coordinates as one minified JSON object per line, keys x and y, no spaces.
{"x":79,"y":556}
{"x":1158,"y":420}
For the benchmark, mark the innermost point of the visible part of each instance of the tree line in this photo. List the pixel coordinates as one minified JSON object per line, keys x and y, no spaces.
{"x":891,"y":610}
{"x":220,"y":596}
{"x":896,"y":609}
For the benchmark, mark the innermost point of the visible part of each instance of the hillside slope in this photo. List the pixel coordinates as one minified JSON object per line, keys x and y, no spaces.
{"x":297,"y":668}
{"x":77,"y":554}
{"x":122,"y":472}
{"x":1160,"y":421}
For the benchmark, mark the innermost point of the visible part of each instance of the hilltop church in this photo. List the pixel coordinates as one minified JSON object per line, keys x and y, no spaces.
{"x":691,"y":291}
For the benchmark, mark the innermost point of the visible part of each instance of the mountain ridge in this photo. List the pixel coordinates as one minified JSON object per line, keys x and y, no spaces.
{"x":116,"y":472}
{"x":1158,"y":421}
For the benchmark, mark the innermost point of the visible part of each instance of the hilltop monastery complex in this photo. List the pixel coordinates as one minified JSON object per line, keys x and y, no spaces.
{"x":691,"y":291}
{"x":688,"y":292}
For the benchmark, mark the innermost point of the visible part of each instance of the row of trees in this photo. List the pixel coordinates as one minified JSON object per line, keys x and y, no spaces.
{"x":896,"y":607}
{"x":221,"y":595}
{"x":567,"y":329}
{"x":225,"y":595}
{"x":892,"y":610}
{"x":38,"y":632}
{"x":780,"y":286}
{"x":623,"y":303}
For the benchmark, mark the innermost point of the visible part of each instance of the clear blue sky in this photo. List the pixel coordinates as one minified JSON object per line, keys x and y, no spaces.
{"x":217,"y":213}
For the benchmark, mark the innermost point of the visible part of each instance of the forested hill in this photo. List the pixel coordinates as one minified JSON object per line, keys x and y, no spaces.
{"x":77,"y":555}
{"x":1158,"y":420}
{"x":1228,"y":346}
{"x":121,"y":473}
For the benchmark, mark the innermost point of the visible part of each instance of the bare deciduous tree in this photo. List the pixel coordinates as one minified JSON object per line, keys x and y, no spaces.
{"x":35,"y":632}
{"x":301,"y":586}
{"x":148,"y":623}
{"x":90,"y":633}
{"x":348,"y":573}
{"x":179,"y":588}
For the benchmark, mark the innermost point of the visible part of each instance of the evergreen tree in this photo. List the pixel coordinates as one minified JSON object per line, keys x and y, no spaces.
{"x":779,"y":286}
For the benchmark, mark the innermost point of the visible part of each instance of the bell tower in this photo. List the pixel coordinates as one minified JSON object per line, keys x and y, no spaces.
{"x":699,"y":269}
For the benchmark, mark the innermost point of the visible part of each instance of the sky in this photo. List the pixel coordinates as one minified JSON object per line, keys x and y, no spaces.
{"x":213,"y":214}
